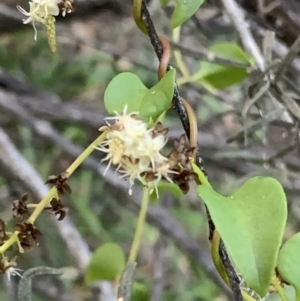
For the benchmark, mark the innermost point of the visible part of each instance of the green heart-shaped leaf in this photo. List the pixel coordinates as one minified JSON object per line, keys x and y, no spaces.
{"x":107,"y":263}
{"x":220,"y":76}
{"x":184,"y":10}
{"x":289,"y":263}
{"x":127,"y":89}
{"x":159,"y":97}
{"x":167,"y":85}
{"x":124,"y":89}
{"x":251,"y":223}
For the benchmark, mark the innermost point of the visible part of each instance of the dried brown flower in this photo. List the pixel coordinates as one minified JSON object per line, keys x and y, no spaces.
{"x":183,"y":178}
{"x":60,"y":182}
{"x":3,"y":234}
{"x":5,"y":263}
{"x":159,"y":130}
{"x":179,"y":160}
{"x":57,"y":208}
{"x":27,"y":235}
{"x":183,"y":152}
{"x":66,"y":6}
{"x":20,"y":207}
{"x":180,"y":144}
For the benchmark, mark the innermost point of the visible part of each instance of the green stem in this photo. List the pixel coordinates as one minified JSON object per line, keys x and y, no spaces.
{"x":13,"y":239}
{"x":53,"y":192}
{"x":85,"y":153}
{"x":140,"y":226}
{"x":41,"y":205}
{"x":202,"y":178}
{"x":247,"y":297}
{"x":279,"y":289}
{"x":178,"y":57}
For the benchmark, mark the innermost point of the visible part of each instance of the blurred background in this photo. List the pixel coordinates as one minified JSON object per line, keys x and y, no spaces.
{"x":51,"y":106}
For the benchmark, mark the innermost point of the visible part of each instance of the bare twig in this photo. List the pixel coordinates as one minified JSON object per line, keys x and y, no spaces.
{"x":282,"y":97}
{"x":268,"y":41}
{"x":249,"y":103}
{"x":126,"y":282}
{"x":238,"y":18}
{"x":278,"y":47}
{"x":272,"y":116}
{"x":294,"y":50}
{"x":291,"y":86}
{"x":282,"y":153}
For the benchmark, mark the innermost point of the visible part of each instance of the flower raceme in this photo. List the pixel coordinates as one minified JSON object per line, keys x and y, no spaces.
{"x":44,"y":10}
{"x":136,"y":150}
{"x":39,"y":10}
{"x":131,"y":146}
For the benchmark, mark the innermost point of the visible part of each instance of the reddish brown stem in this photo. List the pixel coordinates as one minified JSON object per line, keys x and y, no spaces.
{"x":162,"y":69}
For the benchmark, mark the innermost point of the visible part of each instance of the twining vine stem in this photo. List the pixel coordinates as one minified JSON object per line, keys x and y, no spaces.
{"x":162,"y":69}
{"x":188,"y":119}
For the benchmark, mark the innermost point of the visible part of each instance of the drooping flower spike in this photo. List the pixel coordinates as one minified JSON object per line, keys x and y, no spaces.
{"x":39,"y":11}
{"x":45,"y":11}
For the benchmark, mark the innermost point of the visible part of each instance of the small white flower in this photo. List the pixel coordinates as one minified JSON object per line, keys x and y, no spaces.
{"x":151,"y":147}
{"x":50,"y":6}
{"x":33,"y":16}
{"x":39,"y":10}
{"x":115,"y":150}
{"x":163,"y":171}
{"x":11,"y":271}
{"x":131,"y":169}
{"x":144,"y":164}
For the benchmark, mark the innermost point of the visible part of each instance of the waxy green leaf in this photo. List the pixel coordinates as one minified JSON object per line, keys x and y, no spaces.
{"x":251,"y":223}
{"x":127,"y":89}
{"x":289,"y":263}
{"x":220,"y":76}
{"x":107,"y":263}
{"x":184,"y":10}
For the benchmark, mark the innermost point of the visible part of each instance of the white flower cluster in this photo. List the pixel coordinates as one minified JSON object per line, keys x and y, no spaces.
{"x":39,"y":10}
{"x":135,"y":149}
